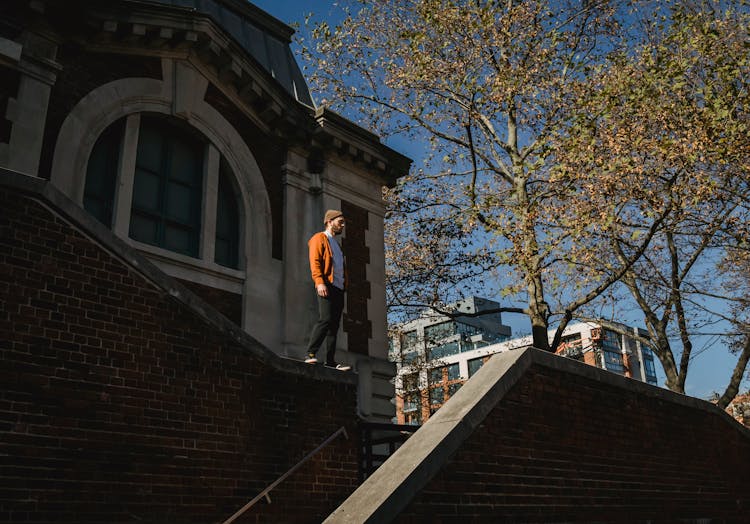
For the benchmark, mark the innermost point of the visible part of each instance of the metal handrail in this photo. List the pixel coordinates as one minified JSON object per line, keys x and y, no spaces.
{"x":265,"y":492}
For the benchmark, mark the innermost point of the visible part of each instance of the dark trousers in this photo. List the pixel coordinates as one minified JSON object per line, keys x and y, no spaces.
{"x":327,"y":327}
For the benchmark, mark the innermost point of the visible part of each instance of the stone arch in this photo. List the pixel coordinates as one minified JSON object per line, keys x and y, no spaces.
{"x":180,"y":95}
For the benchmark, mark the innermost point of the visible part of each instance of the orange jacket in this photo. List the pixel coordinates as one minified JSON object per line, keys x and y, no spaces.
{"x":321,"y":259}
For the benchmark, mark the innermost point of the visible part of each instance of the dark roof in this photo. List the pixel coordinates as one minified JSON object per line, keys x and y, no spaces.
{"x":264,"y":37}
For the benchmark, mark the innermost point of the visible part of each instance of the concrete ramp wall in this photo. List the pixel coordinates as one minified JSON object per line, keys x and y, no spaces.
{"x":535,"y":437}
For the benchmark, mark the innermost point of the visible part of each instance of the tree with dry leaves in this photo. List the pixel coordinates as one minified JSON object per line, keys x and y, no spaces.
{"x":486,"y":85}
{"x":522,"y":191}
{"x":668,"y":129}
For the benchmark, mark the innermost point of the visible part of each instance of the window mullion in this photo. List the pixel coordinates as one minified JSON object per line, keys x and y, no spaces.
{"x":126,"y":176}
{"x":166,"y":167}
{"x":210,"y":198}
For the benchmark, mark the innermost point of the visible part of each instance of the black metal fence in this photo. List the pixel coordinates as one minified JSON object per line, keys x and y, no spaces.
{"x":378,"y":442}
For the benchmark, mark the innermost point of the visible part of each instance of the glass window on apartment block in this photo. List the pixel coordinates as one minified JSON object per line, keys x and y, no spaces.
{"x":613,"y":361}
{"x":410,"y":382}
{"x":453,"y":372}
{"x":227,"y":221}
{"x":409,"y":347}
{"x":467,"y":330}
{"x":573,"y":346}
{"x":474,"y":365}
{"x":435,"y":333}
{"x":411,"y":402}
{"x":437,"y":395}
{"x":413,"y":418}
{"x":572,"y":340}
{"x":611,"y":344}
{"x":453,"y":388}
{"x":648,"y":365}
{"x":611,"y":341}
{"x":436,"y":375}
{"x":444,"y":350}
{"x":408,"y":357}
{"x":409,"y":340}
{"x":168,"y":185}
{"x":101,"y":174}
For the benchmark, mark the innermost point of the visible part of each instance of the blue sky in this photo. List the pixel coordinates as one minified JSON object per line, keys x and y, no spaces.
{"x":710,"y":370}
{"x":294,"y":11}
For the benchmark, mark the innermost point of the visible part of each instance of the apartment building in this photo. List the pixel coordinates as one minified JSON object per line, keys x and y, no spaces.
{"x":428,"y":352}
{"x":436,"y":354}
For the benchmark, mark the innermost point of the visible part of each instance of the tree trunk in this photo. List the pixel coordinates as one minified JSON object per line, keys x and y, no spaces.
{"x":739,"y":371}
{"x":530,"y":261}
{"x":663,"y":351}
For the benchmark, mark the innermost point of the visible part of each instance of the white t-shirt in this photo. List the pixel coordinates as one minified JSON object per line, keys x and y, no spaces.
{"x":338,"y":262}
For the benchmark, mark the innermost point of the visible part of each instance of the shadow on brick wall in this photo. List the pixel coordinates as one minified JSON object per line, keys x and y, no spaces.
{"x":126,"y":398}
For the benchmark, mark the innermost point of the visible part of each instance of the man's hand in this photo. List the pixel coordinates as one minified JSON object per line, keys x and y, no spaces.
{"x":322,"y":290}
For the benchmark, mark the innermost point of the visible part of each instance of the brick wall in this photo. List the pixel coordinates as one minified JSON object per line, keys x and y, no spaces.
{"x":356,"y":321}
{"x":568,"y":448}
{"x":120,"y":403}
{"x":535,"y":437}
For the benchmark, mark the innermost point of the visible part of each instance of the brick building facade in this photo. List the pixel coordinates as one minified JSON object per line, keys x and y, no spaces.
{"x":162,"y":165}
{"x":127,"y":398}
{"x":188,"y":130}
{"x":154,"y":378}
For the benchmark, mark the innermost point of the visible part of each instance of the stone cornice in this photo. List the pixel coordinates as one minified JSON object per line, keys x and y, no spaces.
{"x":154,"y":29}
{"x":355,"y":142}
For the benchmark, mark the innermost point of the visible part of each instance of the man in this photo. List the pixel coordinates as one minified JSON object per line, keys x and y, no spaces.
{"x":328,"y":274}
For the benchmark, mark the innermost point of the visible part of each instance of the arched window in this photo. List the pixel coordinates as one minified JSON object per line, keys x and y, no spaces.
{"x":176,"y":191}
{"x":101,"y":174}
{"x":227,"y":222}
{"x":167,"y":189}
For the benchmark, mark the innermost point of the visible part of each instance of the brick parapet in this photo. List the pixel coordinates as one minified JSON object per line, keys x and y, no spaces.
{"x":533,"y":437}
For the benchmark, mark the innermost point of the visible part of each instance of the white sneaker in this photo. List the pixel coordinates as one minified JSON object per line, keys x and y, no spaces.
{"x":342,"y":367}
{"x":311,"y":360}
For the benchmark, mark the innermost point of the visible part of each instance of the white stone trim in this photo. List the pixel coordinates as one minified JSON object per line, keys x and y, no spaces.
{"x":10,"y":50}
{"x":212,"y":159}
{"x":112,"y":101}
{"x":125,"y":177}
{"x":181,"y":95}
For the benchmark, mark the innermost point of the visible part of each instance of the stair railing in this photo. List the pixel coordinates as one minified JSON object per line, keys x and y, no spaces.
{"x":265,"y":492}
